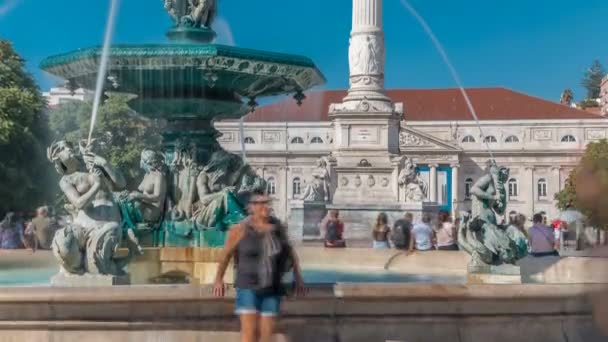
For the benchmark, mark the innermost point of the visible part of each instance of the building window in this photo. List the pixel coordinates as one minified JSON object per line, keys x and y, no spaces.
{"x":296,"y":186}
{"x":513,"y":188}
{"x":297,"y":140}
{"x":249,"y":140}
{"x":468,"y":184}
{"x":271,"y":186}
{"x":568,"y":138}
{"x":490,"y":139}
{"x":468,"y":139}
{"x":316,"y":140}
{"x":542,"y":188}
{"x":512,"y":139}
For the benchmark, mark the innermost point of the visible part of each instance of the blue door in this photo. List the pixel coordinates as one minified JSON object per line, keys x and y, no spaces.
{"x":444,"y":185}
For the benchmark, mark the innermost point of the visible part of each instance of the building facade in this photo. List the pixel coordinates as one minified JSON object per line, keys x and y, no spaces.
{"x":58,"y":95}
{"x":538,"y":140}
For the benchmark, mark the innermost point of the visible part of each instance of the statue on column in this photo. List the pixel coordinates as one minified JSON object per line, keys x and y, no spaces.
{"x":490,"y":242}
{"x":319,"y":189}
{"x":192,"y":13}
{"x":414,"y":186}
{"x":89,"y":243}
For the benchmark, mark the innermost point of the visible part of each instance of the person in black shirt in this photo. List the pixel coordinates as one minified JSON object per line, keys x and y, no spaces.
{"x":402,"y":231}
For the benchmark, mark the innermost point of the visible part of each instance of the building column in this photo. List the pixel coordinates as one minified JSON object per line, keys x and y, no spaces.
{"x":530,"y":190}
{"x":454,"y":189}
{"x":433,"y":183}
{"x":554,"y":189}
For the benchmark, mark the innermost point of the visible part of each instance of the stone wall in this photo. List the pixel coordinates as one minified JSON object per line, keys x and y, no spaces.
{"x":413,"y":313}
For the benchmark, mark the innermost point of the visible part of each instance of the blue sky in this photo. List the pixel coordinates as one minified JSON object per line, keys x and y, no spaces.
{"x":536,"y":46}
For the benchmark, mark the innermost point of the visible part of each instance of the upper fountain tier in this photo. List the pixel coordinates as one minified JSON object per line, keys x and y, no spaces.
{"x":181,"y":80}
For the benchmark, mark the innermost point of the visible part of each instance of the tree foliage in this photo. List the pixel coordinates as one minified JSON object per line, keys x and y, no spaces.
{"x":587,"y":185}
{"x":120,"y":134}
{"x":592,"y":79}
{"x":24,"y":173}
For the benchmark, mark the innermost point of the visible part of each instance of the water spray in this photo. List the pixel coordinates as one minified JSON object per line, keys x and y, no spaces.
{"x":103,"y":65}
{"x":447,"y":62}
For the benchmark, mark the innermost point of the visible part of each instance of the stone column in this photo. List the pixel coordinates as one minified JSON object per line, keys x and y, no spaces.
{"x":554,"y":189}
{"x":366,"y":54}
{"x":454,"y":189}
{"x":433,"y":183}
{"x":529,"y":192}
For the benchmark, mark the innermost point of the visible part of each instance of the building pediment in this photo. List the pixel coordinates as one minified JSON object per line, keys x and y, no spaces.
{"x":414,"y":140}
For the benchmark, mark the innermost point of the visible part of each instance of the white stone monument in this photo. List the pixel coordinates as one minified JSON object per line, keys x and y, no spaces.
{"x":366,"y":124}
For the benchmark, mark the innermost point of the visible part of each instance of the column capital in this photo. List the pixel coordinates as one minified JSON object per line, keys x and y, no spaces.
{"x":455,"y":166}
{"x":528,"y":168}
{"x":433,"y":165}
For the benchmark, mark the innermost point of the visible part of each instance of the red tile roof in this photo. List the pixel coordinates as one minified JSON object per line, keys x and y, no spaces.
{"x":429,"y":105}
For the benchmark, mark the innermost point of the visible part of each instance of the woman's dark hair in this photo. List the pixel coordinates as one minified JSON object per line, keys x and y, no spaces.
{"x":443,"y":216}
{"x":381,"y":220}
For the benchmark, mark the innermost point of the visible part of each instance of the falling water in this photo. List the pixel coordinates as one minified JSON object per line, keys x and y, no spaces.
{"x":447,"y":62}
{"x":103,"y":65}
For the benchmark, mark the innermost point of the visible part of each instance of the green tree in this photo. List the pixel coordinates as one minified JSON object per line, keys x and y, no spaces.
{"x":592,"y":79}
{"x":24,"y":173}
{"x":587,"y":185}
{"x":120,"y":133}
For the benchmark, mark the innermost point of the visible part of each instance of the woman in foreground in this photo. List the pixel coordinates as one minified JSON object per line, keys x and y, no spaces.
{"x":262,"y":255}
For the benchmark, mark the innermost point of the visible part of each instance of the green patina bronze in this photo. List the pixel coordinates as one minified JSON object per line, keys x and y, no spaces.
{"x":193,"y":190}
{"x":490,"y":243}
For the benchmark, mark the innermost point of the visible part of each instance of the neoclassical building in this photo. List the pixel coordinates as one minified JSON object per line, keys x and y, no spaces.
{"x":538,"y":140}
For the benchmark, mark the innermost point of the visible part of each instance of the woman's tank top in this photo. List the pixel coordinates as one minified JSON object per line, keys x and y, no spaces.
{"x":248,"y":259}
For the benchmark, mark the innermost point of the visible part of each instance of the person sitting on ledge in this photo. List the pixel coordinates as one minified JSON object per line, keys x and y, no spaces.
{"x":422,"y":235}
{"x":381,"y":232}
{"x":402,"y":231}
{"x":542,"y":240}
{"x":334,"y":229}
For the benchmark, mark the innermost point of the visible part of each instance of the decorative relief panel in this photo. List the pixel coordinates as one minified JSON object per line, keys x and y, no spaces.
{"x":271,"y":137}
{"x":371,"y":181}
{"x":542,"y":134}
{"x":596,"y":134}
{"x":407,"y":139}
{"x":227,"y":137}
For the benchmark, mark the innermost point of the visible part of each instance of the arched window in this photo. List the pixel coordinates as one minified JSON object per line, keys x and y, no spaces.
{"x":468,"y":184}
{"x":271,"y":186}
{"x":296,"y":186}
{"x":568,"y":138}
{"x":513,"y":188}
{"x":297,"y":140}
{"x":512,"y":139}
{"x":468,"y":139}
{"x":316,"y":140}
{"x":249,"y":140}
{"x":490,"y":139}
{"x":542,"y":188}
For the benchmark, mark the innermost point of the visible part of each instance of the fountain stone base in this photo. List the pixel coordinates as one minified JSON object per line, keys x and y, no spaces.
{"x":63,"y":279}
{"x":305,"y":220}
{"x":489,"y":274}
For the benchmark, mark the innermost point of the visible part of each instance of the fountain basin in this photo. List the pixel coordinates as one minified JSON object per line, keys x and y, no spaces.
{"x":182,"y":80}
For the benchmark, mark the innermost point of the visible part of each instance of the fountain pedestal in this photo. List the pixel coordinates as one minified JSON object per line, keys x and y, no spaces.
{"x":64,"y":279}
{"x":305,"y":220}
{"x":489,"y":274}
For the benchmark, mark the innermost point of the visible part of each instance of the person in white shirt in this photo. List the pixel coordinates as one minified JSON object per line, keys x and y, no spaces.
{"x":422,"y":235}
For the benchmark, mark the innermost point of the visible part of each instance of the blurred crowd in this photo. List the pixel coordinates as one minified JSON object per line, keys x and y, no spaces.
{"x":22,"y":230}
{"x":441,"y":233}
